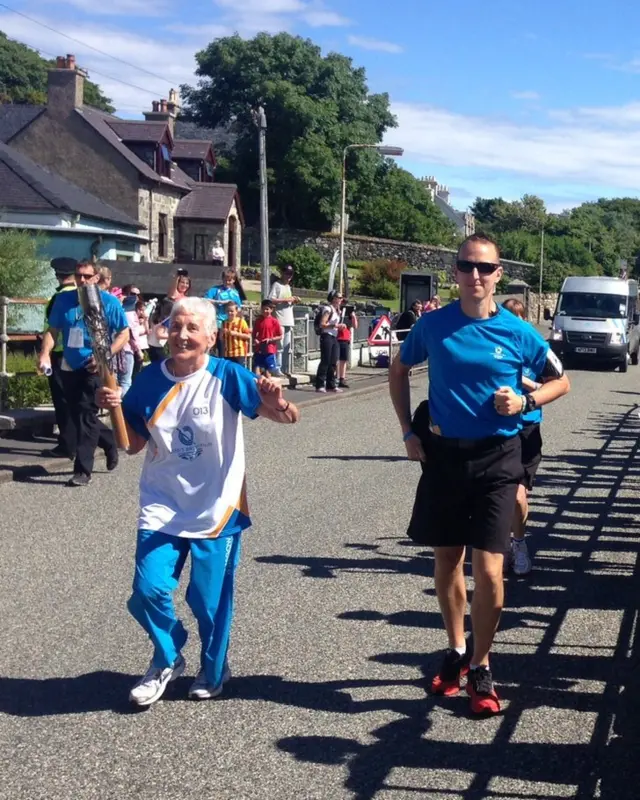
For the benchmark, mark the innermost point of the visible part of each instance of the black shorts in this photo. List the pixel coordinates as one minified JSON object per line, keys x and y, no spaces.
{"x":531,"y":444}
{"x":344,"y":350}
{"x":466,"y":496}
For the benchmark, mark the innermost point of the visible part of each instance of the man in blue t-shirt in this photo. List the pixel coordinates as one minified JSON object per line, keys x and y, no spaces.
{"x":471,"y":452}
{"x":78,"y":370}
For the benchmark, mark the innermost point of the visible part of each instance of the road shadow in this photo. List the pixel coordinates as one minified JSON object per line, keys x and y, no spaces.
{"x":585,"y":523}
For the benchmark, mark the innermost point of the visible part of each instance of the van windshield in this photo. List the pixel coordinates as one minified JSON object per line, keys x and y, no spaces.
{"x":588,"y":304}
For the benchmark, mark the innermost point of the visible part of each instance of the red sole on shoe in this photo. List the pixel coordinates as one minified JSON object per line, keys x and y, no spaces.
{"x":447,"y":688}
{"x":485,"y":706}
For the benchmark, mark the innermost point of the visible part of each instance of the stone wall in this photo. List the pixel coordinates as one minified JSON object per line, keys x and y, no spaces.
{"x":549,"y":300}
{"x":363,"y":248}
{"x":152,"y":203}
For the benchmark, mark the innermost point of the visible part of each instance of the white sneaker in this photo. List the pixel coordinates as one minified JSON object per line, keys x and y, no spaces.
{"x":201,"y":690}
{"x":521,"y":559}
{"x":152,"y":686}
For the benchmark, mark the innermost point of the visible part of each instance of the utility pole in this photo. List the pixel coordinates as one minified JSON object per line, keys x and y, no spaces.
{"x":541,"y":267}
{"x":264,"y":205}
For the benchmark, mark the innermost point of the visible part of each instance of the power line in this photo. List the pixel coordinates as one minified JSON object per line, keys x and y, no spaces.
{"x":93,"y":71}
{"x":84,"y":44}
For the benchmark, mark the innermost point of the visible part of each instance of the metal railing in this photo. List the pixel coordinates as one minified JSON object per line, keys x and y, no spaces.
{"x":6,"y":337}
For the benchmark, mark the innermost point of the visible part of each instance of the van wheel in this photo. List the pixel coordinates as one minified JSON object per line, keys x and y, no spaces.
{"x":624,"y":364}
{"x":634,"y":358}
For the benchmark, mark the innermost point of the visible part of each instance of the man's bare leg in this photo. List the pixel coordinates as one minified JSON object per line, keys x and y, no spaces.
{"x":486,"y":606}
{"x":452,"y":591}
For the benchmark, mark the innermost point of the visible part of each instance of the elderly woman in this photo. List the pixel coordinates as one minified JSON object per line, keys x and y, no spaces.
{"x":192,"y":493}
{"x":220,"y":296}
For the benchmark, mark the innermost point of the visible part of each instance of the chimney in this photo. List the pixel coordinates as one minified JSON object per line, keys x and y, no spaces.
{"x":164,"y":110}
{"x":444,"y":193}
{"x":431,"y":185}
{"x":65,"y":87}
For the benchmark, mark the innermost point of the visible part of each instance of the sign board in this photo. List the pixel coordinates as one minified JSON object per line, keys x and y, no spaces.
{"x":416,"y":286}
{"x":382,"y":334}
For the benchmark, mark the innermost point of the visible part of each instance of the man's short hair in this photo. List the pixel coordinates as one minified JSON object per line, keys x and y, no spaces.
{"x":88,"y":264}
{"x":267,"y":303}
{"x":482,"y":238}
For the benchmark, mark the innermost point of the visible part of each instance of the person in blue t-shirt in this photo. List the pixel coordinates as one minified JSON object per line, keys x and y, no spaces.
{"x":220,"y":296}
{"x":78,"y":370}
{"x":471,"y":452}
{"x":531,"y":442}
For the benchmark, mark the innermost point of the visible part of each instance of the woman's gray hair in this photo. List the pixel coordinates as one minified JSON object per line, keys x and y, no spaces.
{"x":198,"y":307}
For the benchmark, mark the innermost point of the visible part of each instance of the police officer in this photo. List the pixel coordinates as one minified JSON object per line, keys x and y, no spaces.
{"x":471,"y":452}
{"x":79,"y":373}
{"x":64,"y":269}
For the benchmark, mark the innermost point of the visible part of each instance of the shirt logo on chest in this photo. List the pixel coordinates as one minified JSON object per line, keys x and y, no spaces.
{"x":498,"y":353}
{"x":189,"y":451}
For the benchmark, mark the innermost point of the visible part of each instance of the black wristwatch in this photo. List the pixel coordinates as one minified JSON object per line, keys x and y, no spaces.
{"x":530,"y":404}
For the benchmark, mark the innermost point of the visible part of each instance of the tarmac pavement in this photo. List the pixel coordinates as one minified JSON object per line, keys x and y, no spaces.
{"x":337,"y":629}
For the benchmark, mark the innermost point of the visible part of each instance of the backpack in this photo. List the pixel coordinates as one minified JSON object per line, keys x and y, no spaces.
{"x":318,"y":318}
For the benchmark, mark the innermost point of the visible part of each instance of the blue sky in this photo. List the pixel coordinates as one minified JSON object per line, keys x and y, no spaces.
{"x":497,"y":99}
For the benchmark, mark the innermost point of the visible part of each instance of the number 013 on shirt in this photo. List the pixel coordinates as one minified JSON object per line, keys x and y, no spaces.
{"x":193,"y":477}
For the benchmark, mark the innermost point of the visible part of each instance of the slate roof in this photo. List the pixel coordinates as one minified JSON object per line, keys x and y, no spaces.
{"x":455,"y":216}
{"x":13,"y":118}
{"x":210,"y":201}
{"x":101,"y":122}
{"x":132,"y":131}
{"x":25,"y":186}
{"x":190,"y":148}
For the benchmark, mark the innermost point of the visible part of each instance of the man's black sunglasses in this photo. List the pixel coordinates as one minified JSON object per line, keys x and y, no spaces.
{"x":483,"y":268}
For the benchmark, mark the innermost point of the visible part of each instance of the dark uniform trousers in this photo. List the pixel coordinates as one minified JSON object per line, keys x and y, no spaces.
{"x":80,"y":387}
{"x":66,"y":435}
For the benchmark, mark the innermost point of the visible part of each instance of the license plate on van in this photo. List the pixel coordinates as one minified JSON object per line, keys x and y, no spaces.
{"x":586,"y":350}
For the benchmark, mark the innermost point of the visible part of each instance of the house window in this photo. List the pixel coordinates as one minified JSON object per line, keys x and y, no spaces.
{"x":199,"y":247}
{"x":163,"y":236}
{"x":163,"y":158}
{"x":125,"y":251}
{"x":208,"y":167}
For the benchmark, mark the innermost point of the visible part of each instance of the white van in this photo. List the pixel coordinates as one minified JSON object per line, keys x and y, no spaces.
{"x":596,"y":319}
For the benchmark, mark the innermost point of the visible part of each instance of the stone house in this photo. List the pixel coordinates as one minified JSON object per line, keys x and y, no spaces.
{"x":210,"y":211}
{"x":128,"y":164}
{"x":464,"y":221}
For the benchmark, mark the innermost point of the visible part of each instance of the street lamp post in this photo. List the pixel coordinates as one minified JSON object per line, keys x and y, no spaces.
{"x":385,"y":150}
{"x":541,"y":270}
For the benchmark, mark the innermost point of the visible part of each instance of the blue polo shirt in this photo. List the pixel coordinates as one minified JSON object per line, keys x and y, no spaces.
{"x":469,"y":360}
{"x":225,"y":294}
{"x":66,"y":315}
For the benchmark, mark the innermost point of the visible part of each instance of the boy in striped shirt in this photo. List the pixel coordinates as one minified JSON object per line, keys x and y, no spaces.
{"x":236,"y":335}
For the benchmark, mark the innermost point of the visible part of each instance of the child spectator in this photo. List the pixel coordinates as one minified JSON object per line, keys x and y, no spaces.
{"x":267,"y":332}
{"x":236,"y":335}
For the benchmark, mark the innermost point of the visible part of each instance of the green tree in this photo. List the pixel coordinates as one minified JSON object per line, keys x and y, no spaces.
{"x":395,"y":205}
{"x":315,"y":106}
{"x":23,"y":77}
{"x":22,"y":272}
{"x":310,"y":269}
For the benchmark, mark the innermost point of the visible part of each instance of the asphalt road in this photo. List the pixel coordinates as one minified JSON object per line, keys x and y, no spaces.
{"x":336,"y":629}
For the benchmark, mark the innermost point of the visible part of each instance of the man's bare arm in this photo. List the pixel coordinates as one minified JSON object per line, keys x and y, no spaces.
{"x":400,"y":392}
{"x":119,"y":342}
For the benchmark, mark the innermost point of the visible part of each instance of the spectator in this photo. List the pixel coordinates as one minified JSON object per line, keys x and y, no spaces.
{"x":283,"y":299}
{"x":236,"y":334}
{"x":408,"y":319}
{"x":329,"y":325}
{"x":105,"y":279}
{"x":218,"y":256}
{"x":266,"y":335}
{"x":434,"y":304}
{"x":227,"y":292}
{"x":350,"y":321}
{"x":64,"y":269}
{"x":179,"y":288}
{"x":130,"y":359}
{"x":79,"y":372}
{"x":192,"y":497}
{"x":180,"y":285}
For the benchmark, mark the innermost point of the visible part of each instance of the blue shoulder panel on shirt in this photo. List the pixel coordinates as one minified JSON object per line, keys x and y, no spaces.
{"x":239,"y":386}
{"x":145,"y":395}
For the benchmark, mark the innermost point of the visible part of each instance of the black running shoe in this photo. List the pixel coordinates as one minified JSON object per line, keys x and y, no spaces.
{"x":480,"y":688}
{"x":79,"y":479}
{"x":454,"y":666}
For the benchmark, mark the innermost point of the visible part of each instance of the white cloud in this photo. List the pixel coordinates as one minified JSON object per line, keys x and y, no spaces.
{"x":322,"y":18}
{"x":578,"y":150}
{"x":525,"y":95}
{"x":375,"y":44}
{"x":253,"y":16}
{"x":134,"y":8}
